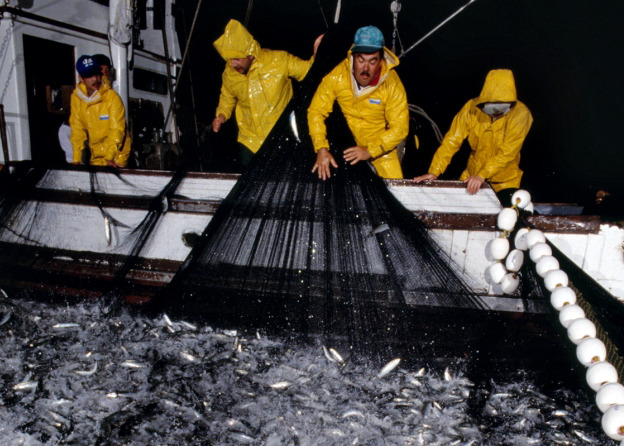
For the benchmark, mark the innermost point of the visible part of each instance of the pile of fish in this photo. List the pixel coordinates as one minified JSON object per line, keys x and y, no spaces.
{"x":71,"y":375}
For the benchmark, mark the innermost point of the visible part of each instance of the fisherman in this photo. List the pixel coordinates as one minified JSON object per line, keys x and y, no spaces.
{"x":495,"y":124}
{"x":257,"y":83}
{"x":374,"y":102}
{"x":98,"y":117}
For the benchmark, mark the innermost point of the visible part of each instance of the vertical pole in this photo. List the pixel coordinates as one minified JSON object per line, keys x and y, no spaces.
{"x":3,"y":135}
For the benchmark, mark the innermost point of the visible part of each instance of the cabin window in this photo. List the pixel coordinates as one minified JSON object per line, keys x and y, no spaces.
{"x":149,"y":81}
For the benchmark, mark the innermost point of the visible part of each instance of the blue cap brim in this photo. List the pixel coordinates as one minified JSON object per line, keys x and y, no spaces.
{"x":365,"y":49}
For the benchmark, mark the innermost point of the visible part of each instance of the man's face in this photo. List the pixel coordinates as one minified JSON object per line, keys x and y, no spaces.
{"x":366,"y":67}
{"x":105,"y":70}
{"x":242,"y":65}
{"x":93,"y":83}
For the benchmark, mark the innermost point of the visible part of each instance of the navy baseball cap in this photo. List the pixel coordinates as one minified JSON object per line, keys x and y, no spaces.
{"x":87,"y":66}
{"x":368,"y":39}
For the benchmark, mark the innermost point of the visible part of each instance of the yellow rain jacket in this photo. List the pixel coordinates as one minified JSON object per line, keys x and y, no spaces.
{"x":377,"y":115}
{"x":262,"y":94}
{"x":100,"y":120}
{"x":495,"y":144}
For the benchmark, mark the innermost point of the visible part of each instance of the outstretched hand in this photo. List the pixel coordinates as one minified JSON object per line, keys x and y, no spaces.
{"x":317,"y":42}
{"x":357,"y":153}
{"x":323,"y":160}
{"x":473,"y":184}
{"x":427,"y":178}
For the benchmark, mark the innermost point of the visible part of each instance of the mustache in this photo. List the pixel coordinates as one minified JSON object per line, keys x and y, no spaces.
{"x":365,"y":73}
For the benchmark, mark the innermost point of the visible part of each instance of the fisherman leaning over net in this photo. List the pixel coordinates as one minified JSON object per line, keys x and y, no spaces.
{"x":496,"y":124}
{"x":257,"y":82}
{"x":373,"y":101}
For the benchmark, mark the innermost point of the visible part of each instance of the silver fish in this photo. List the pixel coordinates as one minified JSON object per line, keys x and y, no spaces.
{"x":281,"y":385}
{"x":381,"y":228}
{"x":107,"y":231}
{"x":353,"y":413}
{"x":328,"y":355}
{"x":129,"y":363}
{"x":64,"y":326}
{"x":336,"y":355}
{"x":5,"y":319}
{"x":293,"y":125}
{"x":26,"y":385}
{"x":188,"y":357}
{"x":4,"y":294}
{"x":388,"y":367}
{"x":87,"y":372}
{"x":167,"y":320}
{"x":447,"y":375}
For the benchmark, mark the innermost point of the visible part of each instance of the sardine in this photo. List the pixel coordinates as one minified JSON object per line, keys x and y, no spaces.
{"x":293,"y":125}
{"x":87,"y":372}
{"x":328,"y":355}
{"x":4,"y":294}
{"x":381,"y":228}
{"x":66,"y":325}
{"x":167,"y":320}
{"x":5,"y":319}
{"x":131,"y":364}
{"x":188,"y":357}
{"x":388,"y":367}
{"x":353,"y":413}
{"x":26,"y":385}
{"x":447,"y":375}
{"x":336,"y":355}
{"x":281,"y":385}
{"x":107,"y":231}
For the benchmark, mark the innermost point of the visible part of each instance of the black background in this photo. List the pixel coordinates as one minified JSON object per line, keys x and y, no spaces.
{"x":567,"y":58}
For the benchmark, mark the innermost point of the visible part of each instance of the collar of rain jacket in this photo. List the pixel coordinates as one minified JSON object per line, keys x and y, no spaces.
{"x":499,"y":87}
{"x":81,"y":92}
{"x":236,"y":42}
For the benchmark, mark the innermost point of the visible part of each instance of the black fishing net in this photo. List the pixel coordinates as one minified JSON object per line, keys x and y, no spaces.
{"x":341,"y":258}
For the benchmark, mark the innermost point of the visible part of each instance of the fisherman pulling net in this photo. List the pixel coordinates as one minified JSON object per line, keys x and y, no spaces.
{"x":340,"y":258}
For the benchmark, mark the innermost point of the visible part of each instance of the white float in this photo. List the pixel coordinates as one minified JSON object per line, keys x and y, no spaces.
{"x":546,"y":264}
{"x":521,"y":198}
{"x":497,"y":249}
{"x":613,"y":422}
{"x":570,"y":313}
{"x":591,"y":350}
{"x":507,"y":219}
{"x":510,"y":283}
{"x":495,"y":273}
{"x":534,"y":237}
{"x":555,"y":279}
{"x":580,"y":329}
{"x":609,"y":395}
{"x":562,"y":296}
{"x":540,"y":250}
{"x":514,"y":260}
{"x":600,"y":374}
{"x":520,"y":241}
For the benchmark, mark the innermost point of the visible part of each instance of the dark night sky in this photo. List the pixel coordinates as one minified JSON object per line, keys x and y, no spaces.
{"x":567,"y":58}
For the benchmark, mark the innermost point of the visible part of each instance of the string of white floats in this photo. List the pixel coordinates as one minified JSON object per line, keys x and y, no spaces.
{"x":601,"y":376}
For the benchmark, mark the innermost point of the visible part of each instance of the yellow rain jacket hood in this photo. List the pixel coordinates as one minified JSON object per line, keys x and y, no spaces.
{"x":261,"y":95}
{"x":101,"y":121}
{"x":495,"y":143}
{"x":377,"y":115}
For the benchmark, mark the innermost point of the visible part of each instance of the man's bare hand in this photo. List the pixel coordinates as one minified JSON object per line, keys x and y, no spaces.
{"x":323,"y":161}
{"x":473,"y":184}
{"x":217,"y":123}
{"x":112,"y":163}
{"x":357,"y":153}
{"x":317,"y":42}
{"x":427,"y":178}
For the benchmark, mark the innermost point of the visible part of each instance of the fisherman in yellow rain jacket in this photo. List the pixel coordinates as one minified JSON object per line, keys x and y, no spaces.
{"x":373,"y":101}
{"x":98,"y":116}
{"x":495,"y":124}
{"x":257,"y":83}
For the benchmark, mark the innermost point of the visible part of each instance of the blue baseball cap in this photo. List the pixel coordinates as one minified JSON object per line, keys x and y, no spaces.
{"x":87,"y":66}
{"x":368,"y":39}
